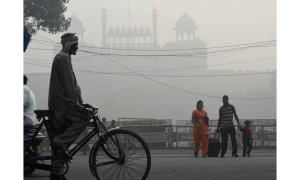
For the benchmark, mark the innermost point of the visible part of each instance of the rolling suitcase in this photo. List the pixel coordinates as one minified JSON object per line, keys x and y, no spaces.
{"x":214,"y":146}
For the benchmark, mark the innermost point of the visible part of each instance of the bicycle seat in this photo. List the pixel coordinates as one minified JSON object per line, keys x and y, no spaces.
{"x":44,"y":113}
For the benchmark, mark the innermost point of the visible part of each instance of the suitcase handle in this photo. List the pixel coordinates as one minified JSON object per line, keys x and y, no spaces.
{"x":217,"y":135}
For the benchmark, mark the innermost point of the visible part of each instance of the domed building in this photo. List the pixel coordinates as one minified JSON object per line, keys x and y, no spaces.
{"x":76,"y":26}
{"x":185,"y":30}
{"x":141,"y":39}
{"x":185,"y":27}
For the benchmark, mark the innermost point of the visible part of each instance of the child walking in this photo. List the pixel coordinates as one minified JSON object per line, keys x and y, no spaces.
{"x":247,"y":138}
{"x":201,"y":131}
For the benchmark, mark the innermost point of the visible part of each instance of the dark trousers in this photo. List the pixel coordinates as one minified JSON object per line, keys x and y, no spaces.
{"x":56,"y":132}
{"x":224,"y":133}
{"x":247,"y":147}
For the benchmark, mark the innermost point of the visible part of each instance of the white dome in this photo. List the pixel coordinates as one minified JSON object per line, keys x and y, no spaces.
{"x":76,"y":25}
{"x":185,"y":24}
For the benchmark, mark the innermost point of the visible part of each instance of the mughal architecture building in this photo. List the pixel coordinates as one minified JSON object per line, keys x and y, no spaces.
{"x":138,"y":38}
{"x":106,"y":83}
{"x":120,"y":41}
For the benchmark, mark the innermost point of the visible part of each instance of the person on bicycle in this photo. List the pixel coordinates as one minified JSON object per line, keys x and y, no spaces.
{"x":65,"y":98}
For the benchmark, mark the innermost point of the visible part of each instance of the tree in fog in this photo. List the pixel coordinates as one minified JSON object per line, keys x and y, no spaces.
{"x":46,"y":15}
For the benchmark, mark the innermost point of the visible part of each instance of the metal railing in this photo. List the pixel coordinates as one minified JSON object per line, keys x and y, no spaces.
{"x":263,"y":136}
{"x":181,"y":136}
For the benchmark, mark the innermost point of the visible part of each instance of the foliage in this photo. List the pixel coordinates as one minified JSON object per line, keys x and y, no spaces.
{"x":46,"y":15}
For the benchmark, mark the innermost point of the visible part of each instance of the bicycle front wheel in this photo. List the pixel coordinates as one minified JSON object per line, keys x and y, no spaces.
{"x":124,"y":155}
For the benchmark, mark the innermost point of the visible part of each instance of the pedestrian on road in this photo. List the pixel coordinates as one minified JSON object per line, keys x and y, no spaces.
{"x":28,"y":113}
{"x":225,"y":125}
{"x":201,"y":131}
{"x":29,"y":104}
{"x":112,"y":125}
{"x":104,"y":121}
{"x":247,"y":138}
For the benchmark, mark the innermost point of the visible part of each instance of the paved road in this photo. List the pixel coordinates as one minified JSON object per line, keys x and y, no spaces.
{"x":186,"y":167}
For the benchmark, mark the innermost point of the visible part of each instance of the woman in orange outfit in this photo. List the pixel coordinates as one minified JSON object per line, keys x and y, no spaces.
{"x":201,"y":131}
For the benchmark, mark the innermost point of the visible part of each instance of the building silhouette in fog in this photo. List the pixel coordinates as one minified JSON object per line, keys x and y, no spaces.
{"x":138,"y":40}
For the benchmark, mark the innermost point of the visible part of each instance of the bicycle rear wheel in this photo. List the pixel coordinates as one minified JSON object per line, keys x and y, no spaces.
{"x":108,"y":162}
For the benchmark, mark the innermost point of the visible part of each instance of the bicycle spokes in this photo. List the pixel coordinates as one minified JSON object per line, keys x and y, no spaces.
{"x":123,"y":156}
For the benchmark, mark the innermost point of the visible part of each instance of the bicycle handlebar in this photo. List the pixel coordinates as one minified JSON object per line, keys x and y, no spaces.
{"x":91,"y":109}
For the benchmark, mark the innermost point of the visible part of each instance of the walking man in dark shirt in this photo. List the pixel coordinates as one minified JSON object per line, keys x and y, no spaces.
{"x":225,"y":125}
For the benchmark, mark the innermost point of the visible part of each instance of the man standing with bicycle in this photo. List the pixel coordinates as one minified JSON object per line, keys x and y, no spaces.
{"x":65,"y":99}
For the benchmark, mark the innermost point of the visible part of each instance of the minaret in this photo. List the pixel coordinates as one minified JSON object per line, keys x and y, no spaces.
{"x":154,"y":17}
{"x":129,"y":13}
{"x":103,"y":16}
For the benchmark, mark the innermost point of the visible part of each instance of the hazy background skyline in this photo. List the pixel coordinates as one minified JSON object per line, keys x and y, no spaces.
{"x":219,"y":23}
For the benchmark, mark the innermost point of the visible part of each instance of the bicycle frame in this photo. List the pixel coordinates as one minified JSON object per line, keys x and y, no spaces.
{"x":74,"y":150}
{"x":106,"y":140}
{"x":99,"y":127}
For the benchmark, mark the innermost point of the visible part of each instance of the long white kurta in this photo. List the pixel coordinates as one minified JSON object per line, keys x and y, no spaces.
{"x":64,"y":91}
{"x":29,"y":106}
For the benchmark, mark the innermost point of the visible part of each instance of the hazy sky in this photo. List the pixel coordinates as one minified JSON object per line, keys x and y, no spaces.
{"x":220,"y":23}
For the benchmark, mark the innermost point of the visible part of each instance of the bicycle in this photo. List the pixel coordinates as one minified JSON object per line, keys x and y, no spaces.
{"x":117,"y":153}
